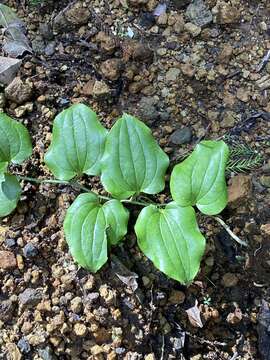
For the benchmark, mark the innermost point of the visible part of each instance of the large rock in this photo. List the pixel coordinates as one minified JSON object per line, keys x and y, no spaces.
{"x":18,"y":91}
{"x":8,"y":69}
{"x":239,"y":190}
{"x":199,"y":13}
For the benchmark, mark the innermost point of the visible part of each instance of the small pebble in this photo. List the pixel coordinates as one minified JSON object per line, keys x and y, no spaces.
{"x":229,"y":280}
{"x":10,"y":243}
{"x":177,"y":297}
{"x":80,"y":329}
{"x":24,"y":346}
{"x":7,"y":260}
{"x":30,"y":250}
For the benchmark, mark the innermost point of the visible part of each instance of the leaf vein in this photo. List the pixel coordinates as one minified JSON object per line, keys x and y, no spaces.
{"x":175,"y":242}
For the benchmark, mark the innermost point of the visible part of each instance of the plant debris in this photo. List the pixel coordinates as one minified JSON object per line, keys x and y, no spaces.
{"x":16,"y":43}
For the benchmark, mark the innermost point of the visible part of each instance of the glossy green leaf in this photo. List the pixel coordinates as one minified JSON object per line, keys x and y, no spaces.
{"x":15,"y":143}
{"x":117,"y":219}
{"x":85,"y":231}
{"x":10,"y":192}
{"x":77,"y":143}
{"x":200,"y":179}
{"x":133,"y":162}
{"x":171,"y":238}
{"x":91,"y":227}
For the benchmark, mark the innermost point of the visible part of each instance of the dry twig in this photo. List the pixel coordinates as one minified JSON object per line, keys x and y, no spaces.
{"x":229,"y":231}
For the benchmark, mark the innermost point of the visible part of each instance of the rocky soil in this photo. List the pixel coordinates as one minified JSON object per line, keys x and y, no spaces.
{"x":189,"y":70}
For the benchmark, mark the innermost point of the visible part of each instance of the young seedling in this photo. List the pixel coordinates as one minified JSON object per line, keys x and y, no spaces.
{"x":129,"y":162}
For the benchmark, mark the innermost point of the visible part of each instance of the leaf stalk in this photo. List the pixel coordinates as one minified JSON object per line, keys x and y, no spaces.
{"x":77,"y":185}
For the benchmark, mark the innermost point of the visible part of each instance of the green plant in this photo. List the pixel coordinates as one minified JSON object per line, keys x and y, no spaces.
{"x":207,"y":300}
{"x":130,"y":162}
{"x":243,"y":159}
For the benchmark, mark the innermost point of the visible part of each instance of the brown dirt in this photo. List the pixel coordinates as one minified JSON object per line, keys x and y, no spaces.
{"x":212,"y":90}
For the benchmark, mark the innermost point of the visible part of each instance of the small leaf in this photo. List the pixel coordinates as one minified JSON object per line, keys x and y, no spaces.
{"x":171,"y":238}
{"x":15,"y":143}
{"x":200,"y":179}
{"x":117,"y":219}
{"x":10,"y":192}
{"x":90,"y":227}
{"x":77,"y":143}
{"x":133,"y":162}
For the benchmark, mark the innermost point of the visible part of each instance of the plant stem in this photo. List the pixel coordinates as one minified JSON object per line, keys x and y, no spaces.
{"x":229,"y":231}
{"x":81,"y":187}
{"x":42,"y":181}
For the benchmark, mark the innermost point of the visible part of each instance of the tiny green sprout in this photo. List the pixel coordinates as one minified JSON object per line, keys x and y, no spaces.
{"x":207,"y":300}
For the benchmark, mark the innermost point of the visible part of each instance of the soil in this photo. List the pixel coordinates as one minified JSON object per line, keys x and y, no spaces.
{"x":188,"y":75}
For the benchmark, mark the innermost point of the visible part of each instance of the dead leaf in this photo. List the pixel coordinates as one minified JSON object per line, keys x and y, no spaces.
{"x":16,"y":42}
{"x":8,"y":69}
{"x":8,"y":16}
{"x":194,"y":315}
{"x":130,"y":281}
{"x":124,"y":274}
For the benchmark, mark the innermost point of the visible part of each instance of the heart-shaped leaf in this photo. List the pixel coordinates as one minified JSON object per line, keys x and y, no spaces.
{"x":91,"y":227}
{"x":171,"y":238}
{"x":132,"y":162}
{"x":77,"y":143}
{"x":85,"y":230}
{"x":15,"y":143}
{"x":10,"y":192}
{"x":200,"y":179}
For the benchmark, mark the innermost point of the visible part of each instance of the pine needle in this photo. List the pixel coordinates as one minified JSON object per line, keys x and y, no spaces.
{"x":243,"y":158}
{"x":241,"y":150}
